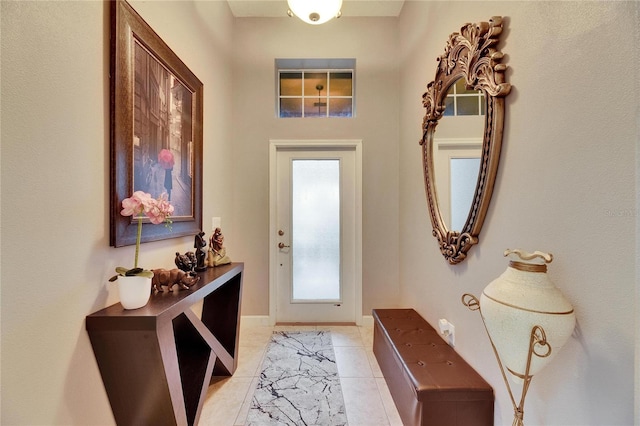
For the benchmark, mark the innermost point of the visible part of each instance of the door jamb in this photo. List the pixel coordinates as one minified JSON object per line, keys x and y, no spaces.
{"x":278,"y":144}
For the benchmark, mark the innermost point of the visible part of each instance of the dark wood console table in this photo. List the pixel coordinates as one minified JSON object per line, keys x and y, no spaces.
{"x":157,"y":362}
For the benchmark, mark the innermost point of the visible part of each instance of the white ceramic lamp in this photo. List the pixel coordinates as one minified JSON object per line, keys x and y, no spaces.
{"x":527,"y":318}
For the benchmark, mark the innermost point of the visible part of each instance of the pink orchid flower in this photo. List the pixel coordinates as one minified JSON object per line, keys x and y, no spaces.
{"x":136,"y":204}
{"x":160,"y":211}
{"x":157,"y":210}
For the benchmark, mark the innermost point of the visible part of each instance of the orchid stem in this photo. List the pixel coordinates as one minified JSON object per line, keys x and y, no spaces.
{"x":135,"y":263}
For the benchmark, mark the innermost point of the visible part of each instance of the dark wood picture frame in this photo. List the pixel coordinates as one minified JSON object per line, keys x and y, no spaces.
{"x":145,"y":71}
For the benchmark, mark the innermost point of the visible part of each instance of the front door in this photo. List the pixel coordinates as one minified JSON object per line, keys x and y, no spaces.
{"x":315,"y":241}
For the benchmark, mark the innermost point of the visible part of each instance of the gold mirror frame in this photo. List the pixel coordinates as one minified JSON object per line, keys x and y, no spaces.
{"x":472,"y":55}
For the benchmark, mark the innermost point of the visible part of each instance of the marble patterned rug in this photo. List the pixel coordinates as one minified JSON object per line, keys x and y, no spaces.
{"x":299,"y":382}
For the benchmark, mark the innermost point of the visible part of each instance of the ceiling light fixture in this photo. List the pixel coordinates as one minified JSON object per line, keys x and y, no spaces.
{"x":315,"y":12}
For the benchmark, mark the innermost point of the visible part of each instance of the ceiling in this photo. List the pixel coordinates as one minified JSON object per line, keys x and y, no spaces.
{"x":278,"y":8}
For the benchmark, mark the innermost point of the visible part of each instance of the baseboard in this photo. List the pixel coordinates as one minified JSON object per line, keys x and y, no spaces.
{"x":263,"y":321}
{"x":367,"y":321}
{"x":255,"y":320}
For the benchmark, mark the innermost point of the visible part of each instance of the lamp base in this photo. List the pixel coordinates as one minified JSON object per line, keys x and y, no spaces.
{"x":538,"y":346}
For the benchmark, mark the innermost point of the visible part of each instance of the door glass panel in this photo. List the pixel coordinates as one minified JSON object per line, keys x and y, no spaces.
{"x":464,"y":174}
{"x":468,"y":105}
{"x":340,"y":107}
{"x":341,"y":84}
{"x":315,"y":84}
{"x":315,"y":107}
{"x":290,"y":84}
{"x":316,"y":230}
{"x":291,"y":107}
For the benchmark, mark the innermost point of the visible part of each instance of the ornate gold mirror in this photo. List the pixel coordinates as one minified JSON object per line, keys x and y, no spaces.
{"x":469,"y":88}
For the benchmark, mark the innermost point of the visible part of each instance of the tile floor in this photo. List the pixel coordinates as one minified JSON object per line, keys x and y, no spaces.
{"x":366,"y":396}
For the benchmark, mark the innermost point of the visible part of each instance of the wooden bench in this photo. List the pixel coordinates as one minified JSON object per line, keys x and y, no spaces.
{"x":429,"y":382}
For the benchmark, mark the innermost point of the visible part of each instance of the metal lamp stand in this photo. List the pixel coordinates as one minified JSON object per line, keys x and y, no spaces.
{"x":538,"y":346}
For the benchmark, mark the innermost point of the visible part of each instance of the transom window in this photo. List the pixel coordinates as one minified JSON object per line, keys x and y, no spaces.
{"x":315,"y":87}
{"x":315,"y":93}
{"x":463,"y":101}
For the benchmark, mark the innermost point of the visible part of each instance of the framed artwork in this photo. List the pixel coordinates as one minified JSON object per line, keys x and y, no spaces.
{"x":156,"y":129}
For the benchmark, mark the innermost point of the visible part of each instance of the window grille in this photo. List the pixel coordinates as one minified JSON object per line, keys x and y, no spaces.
{"x":463,"y":101}
{"x":315,"y":87}
{"x":315,"y":93}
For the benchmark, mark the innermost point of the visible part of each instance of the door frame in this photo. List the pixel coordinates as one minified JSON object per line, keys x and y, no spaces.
{"x":280,"y":144}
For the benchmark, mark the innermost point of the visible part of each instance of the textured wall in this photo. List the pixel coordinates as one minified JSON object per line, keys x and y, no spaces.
{"x":56,"y":257}
{"x":566,"y":185}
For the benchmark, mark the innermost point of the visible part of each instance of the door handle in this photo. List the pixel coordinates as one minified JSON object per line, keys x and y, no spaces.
{"x":282,"y":245}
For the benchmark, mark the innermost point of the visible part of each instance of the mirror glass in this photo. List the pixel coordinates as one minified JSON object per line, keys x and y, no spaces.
{"x":457,"y":148}
{"x":462,"y":135}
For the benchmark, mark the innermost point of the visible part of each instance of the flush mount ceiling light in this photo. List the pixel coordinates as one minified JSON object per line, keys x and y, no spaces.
{"x":315,"y":12}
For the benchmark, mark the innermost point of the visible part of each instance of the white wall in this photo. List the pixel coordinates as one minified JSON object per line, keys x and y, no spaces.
{"x":56,"y":257}
{"x":373,"y":43}
{"x":565,"y":185}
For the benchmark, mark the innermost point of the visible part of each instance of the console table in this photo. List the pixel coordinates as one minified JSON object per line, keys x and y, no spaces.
{"x":157,"y":362}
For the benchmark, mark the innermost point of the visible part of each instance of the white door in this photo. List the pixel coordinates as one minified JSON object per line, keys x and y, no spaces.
{"x":316,"y":243}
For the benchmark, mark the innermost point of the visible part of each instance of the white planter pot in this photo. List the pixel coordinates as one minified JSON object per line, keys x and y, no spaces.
{"x":134,"y":291}
{"x":519,"y":299}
